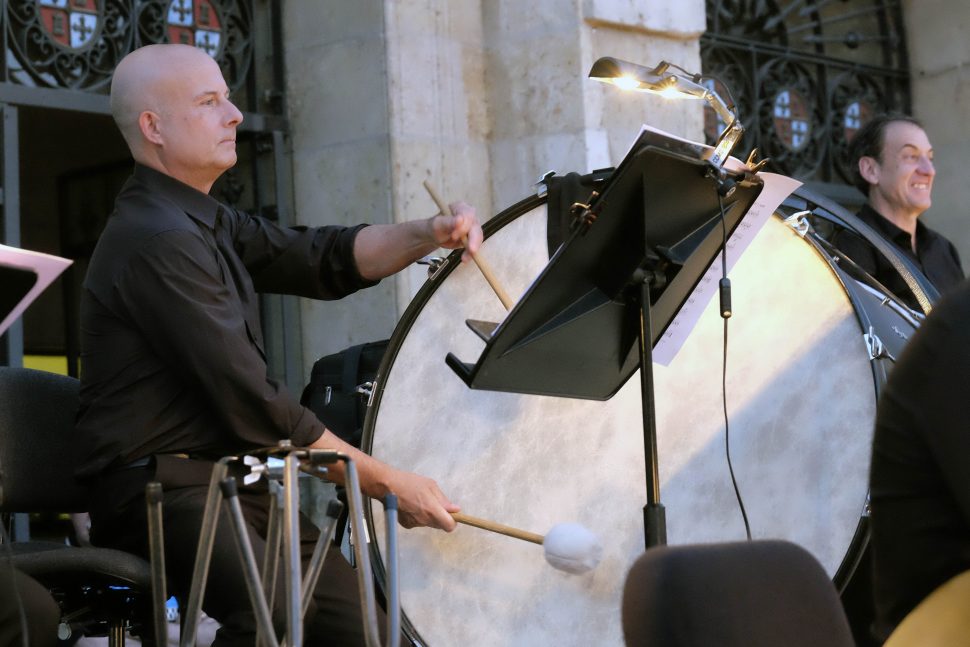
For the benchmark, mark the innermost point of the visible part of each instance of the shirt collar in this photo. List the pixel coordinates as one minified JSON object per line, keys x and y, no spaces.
{"x":891,"y":231}
{"x":198,"y":205}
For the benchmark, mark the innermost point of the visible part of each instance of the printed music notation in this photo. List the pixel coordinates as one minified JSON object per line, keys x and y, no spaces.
{"x":776,"y":188}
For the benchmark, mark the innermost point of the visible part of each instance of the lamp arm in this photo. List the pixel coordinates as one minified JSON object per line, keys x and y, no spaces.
{"x":731,"y":134}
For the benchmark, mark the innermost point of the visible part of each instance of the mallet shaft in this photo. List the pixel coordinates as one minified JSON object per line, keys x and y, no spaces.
{"x":501,"y":529}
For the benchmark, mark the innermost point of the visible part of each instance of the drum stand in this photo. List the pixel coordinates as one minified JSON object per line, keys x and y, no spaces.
{"x":284,"y":527}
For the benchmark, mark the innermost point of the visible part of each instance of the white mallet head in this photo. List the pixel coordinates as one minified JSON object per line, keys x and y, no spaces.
{"x":572,"y":548}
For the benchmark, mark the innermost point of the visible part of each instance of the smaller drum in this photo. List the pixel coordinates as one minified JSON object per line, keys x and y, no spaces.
{"x":801,"y":392}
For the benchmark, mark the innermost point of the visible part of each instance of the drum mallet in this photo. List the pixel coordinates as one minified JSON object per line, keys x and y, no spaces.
{"x":482,"y":264}
{"x":569,"y":547}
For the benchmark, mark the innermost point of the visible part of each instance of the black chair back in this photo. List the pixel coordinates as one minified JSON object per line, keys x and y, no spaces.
{"x":37,"y":457}
{"x":101,"y":591}
{"x":751,"y":594}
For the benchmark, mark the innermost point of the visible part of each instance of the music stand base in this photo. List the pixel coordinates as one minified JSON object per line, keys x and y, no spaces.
{"x":655,"y":524}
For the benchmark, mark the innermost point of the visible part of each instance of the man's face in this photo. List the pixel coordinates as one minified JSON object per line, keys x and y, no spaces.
{"x":198,"y":121}
{"x":903,"y":176}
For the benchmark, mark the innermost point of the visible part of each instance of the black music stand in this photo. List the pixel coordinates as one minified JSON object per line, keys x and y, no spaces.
{"x":592,"y":316}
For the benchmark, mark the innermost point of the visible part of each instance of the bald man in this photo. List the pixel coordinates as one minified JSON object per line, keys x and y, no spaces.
{"x":174,"y":370}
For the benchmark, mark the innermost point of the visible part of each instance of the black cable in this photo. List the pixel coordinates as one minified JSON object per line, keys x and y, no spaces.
{"x":8,"y":554}
{"x":726,"y":288}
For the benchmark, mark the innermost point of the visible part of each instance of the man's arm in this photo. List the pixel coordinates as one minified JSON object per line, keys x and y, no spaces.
{"x":193,"y":322}
{"x":421,"y":502}
{"x":382,"y":250}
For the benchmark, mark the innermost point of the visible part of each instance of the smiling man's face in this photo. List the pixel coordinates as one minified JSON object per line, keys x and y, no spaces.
{"x":902,"y":177}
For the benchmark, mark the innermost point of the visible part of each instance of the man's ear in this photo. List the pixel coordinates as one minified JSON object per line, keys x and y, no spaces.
{"x":869,"y":169}
{"x":148,"y":124}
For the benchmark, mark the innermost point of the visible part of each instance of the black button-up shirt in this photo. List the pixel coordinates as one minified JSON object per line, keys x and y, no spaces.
{"x":935,"y":255}
{"x":171,"y":346}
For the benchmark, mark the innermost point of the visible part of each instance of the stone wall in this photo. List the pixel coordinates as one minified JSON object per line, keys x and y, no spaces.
{"x":939,"y":53}
{"x":480,"y":96}
{"x":336,"y":57}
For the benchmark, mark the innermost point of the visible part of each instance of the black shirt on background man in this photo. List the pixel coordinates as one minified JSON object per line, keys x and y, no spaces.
{"x":935,"y":255}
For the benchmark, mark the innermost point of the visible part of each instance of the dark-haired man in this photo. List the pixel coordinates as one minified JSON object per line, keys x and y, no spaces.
{"x":174,"y":372}
{"x":892,"y":161}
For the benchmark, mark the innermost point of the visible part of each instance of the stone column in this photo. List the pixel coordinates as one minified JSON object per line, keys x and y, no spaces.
{"x":939,"y":54}
{"x":481,"y":97}
{"x":338,"y":108}
{"x":438,"y":113}
{"x":547,"y":114}
{"x":382,"y":95}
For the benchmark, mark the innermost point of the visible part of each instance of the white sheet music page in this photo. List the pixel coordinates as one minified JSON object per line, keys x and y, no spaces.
{"x":776,"y":188}
{"x":46,"y":267}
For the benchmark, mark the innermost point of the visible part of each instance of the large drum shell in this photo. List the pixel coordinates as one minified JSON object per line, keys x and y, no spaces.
{"x":800,"y":399}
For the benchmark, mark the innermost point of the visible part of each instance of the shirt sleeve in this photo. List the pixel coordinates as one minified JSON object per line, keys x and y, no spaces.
{"x":311,"y":262}
{"x":176,"y":296}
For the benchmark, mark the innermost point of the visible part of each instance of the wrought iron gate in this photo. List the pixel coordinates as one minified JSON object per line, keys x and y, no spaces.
{"x":806,"y":75}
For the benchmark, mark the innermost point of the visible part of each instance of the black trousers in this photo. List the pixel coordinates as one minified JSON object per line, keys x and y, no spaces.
{"x":335,"y":614}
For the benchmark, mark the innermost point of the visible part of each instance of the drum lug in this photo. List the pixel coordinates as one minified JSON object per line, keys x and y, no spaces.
{"x":799,"y":223}
{"x":434,"y":264}
{"x":542,"y":184}
{"x":367,"y":390}
{"x":875,"y":346}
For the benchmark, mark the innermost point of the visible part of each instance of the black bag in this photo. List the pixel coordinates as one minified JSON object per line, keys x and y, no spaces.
{"x":339,"y":388}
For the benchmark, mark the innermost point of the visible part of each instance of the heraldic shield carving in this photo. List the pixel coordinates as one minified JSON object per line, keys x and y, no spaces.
{"x":76,"y":44}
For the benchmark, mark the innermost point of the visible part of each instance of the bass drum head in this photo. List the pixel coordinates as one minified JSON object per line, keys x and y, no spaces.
{"x":801,"y":401}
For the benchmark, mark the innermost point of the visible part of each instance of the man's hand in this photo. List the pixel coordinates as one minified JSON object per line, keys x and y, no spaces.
{"x":421,"y":502}
{"x":382,"y":250}
{"x":460,"y":228}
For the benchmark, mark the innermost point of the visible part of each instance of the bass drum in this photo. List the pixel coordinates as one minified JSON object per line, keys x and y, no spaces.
{"x":801,"y":393}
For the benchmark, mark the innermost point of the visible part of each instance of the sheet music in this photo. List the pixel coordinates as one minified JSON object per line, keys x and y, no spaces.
{"x":46,"y":267}
{"x":776,"y":188}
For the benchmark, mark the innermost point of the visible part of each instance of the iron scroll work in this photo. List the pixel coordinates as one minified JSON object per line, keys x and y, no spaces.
{"x":806,"y":75}
{"x":76,"y":44}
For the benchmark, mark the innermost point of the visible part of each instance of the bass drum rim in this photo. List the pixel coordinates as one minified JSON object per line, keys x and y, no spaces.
{"x":396,"y":340}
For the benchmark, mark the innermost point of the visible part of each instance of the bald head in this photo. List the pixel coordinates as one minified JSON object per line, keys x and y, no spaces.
{"x":147,"y":79}
{"x":172,"y":106}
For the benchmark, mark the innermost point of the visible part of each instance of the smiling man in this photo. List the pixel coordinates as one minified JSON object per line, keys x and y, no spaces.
{"x":174,"y":372}
{"x":893,"y":162}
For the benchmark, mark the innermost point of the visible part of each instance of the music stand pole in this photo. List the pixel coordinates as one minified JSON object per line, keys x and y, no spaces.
{"x":654,"y":516}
